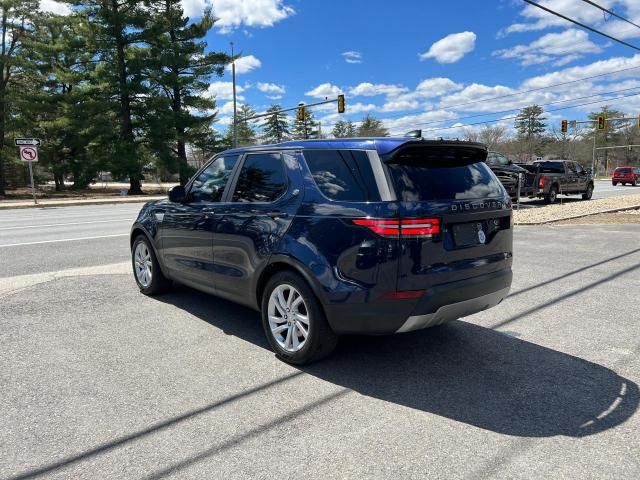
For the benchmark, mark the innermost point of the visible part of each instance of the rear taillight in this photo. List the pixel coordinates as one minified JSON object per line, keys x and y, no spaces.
{"x":415,"y":227}
{"x":541,"y":182}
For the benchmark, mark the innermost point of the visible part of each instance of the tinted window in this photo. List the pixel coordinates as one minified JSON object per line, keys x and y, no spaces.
{"x":415,"y":180}
{"x":623,"y":170}
{"x":210,"y":183}
{"x":551,"y":167}
{"x":343,"y":174}
{"x":571,"y":167}
{"x":579,"y":168}
{"x":262,"y":178}
{"x":494,"y":158}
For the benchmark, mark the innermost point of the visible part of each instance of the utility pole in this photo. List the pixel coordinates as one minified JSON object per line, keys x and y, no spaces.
{"x":235,"y":112}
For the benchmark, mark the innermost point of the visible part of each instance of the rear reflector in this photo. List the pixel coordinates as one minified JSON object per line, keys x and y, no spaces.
{"x":404,"y":295}
{"x":415,"y":227}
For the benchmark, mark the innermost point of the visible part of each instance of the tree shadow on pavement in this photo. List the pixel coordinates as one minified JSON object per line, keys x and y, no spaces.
{"x":460,"y":371}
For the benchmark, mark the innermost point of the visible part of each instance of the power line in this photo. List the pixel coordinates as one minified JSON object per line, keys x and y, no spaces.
{"x":614,"y":14}
{"x":540,"y":105}
{"x":512,"y":117}
{"x":515,"y":94}
{"x":553,"y":12}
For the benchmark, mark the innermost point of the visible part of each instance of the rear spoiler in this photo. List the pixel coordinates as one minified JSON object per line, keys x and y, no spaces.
{"x":441,"y":151}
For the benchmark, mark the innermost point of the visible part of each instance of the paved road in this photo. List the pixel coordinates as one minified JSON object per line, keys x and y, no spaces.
{"x":98,"y":381}
{"x":603,"y":189}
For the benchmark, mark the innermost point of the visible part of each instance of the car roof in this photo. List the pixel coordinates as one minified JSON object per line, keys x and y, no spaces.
{"x":383,"y":145}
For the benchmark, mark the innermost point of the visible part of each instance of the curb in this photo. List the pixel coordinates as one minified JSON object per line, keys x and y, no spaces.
{"x":69,"y":203}
{"x":612,"y":210}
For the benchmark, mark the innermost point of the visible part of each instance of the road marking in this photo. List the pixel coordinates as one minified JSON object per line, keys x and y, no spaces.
{"x":126,"y":219}
{"x":11,"y":285}
{"x":64,"y":240}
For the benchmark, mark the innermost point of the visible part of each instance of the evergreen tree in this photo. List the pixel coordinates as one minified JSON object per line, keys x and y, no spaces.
{"x":179,"y":71}
{"x":530,"y":128}
{"x":276,"y":125}
{"x":305,"y":127}
{"x":344,"y":129}
{"x":372,"y":127}
{"x":121,"y":78}
{"x":246,"y":128}
{"x":16,"y":18}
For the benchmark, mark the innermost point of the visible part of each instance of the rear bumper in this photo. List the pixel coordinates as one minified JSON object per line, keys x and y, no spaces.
{"x":439,"y":304}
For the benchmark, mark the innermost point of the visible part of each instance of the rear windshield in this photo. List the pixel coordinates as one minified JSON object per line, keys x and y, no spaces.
{"x":623,"y":170}
{"x":417,"y":179}
{"x":551,"y":167}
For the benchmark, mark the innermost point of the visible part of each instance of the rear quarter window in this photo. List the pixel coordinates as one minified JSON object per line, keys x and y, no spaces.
{"x":343,"y":174}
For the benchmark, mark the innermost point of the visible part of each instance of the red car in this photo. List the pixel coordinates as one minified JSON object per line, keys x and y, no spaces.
{"x":624,"y":175}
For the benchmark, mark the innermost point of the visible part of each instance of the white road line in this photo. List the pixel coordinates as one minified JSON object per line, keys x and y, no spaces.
{"x":64,"y":240}
{"x":127,"y":219}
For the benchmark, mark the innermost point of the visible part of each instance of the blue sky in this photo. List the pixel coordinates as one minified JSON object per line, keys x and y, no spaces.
{"x":412,"y":63}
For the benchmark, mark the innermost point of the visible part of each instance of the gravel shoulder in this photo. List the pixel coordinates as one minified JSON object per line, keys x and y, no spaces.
{"x":574,"y":209}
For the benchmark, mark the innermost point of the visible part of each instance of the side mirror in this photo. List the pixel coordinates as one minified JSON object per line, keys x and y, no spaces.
{"x":177,"y":194}
{"x":588,"y":171}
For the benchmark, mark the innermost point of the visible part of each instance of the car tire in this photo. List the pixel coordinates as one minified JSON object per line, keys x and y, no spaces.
{"x":552,"y":196}
{"x":615,"y":184}
{"x":146,"y":269}
{"x":589,"y":193}
{"x":634,"y":183}
{"x":287,"y":299}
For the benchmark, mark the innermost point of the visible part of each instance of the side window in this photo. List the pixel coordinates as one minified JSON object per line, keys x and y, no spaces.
{"x":262,"y":178}
{"x":210,"y":184}
{"x":571,"y":167}
{"x":579,"y":168}
{"x":343,"y":174}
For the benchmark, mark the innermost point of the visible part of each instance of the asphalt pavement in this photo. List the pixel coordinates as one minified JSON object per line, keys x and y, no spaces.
{"x":99,"y":381}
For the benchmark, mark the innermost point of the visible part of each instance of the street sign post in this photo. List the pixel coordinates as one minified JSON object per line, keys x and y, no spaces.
{"x":29,"y":142}
{"x":30,"y":155}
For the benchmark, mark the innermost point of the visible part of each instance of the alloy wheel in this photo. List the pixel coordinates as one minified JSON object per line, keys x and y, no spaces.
{"x":143,"y":264}
{"x":288,"y":318}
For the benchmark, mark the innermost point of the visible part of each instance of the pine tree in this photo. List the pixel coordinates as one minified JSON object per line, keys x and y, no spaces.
{"x":121,"y":80}
{"x":305,"y":127}
{"x":179,"y":71}
{"x":344,"y":129}
{"x":246,"y":128}
{"x":15,"y":27}
{"x":372,"y":127}
{"x":531,"y":128}
{"x":276,"y":125}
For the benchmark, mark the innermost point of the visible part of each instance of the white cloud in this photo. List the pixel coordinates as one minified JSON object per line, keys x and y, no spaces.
{"x":367,"y":89}
{"x":249,"y":13}
{"x":352,"y":56}
{"x":52,"y":6}
{"x":271,"y":88}
{"x":224,"y":90}
{"x":451,"y":48}
{"x":246,"y":64}
{"x":436,"y":87}
{"x":324,"y":90}
{"x":274,"y":97}
{"x":411,"y":122}
{"x":538,"y":19}
{"x":561,"y":47}
{"x":400,"y":104}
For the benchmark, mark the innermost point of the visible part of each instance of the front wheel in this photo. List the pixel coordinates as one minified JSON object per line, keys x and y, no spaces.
{"x":589,"y":193}
{"x":294,"y":321}
{"x":146,"y":268}
{"x":615,"y":184}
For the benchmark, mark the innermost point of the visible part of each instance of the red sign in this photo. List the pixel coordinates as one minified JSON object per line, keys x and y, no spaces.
{"x":29,"y":154}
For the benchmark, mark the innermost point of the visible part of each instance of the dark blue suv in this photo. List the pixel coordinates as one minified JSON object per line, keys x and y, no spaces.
{"x":329,"y":237}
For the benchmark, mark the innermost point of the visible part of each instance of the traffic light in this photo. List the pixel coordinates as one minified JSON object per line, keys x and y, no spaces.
{"x":602,"y":122}
{"x":301,"y":113}
{"x":340,"y":103}
{"x":564,"y":126}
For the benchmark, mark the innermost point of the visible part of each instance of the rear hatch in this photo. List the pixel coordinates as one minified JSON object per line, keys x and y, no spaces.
{"x":454,"y":213}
